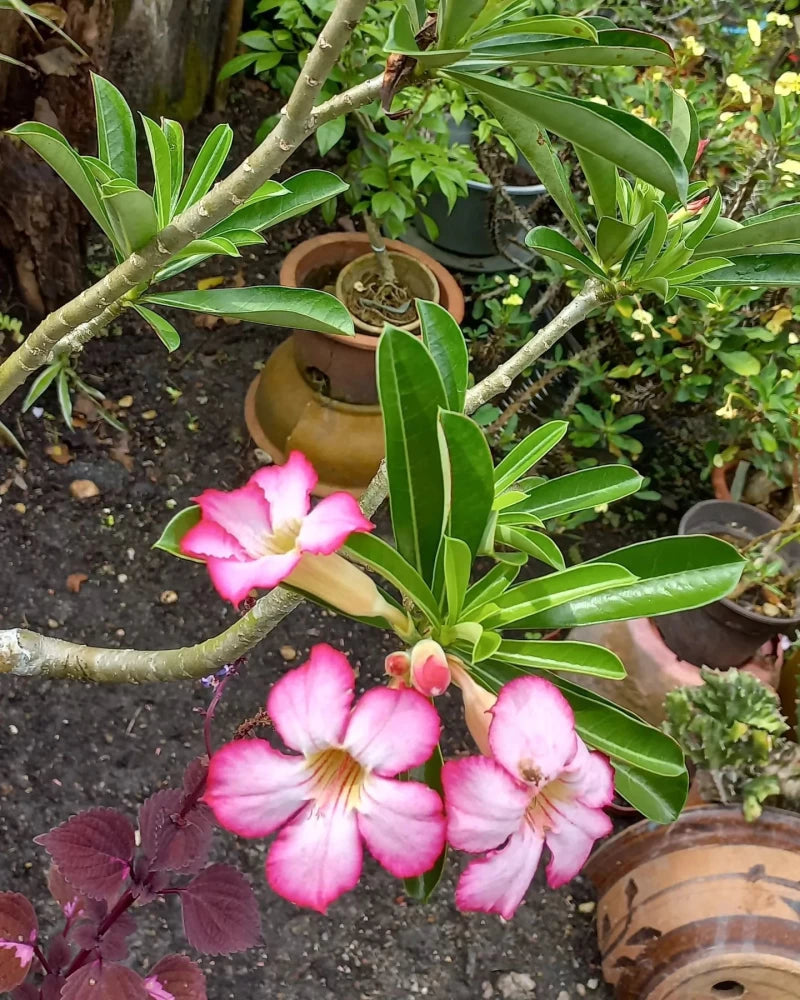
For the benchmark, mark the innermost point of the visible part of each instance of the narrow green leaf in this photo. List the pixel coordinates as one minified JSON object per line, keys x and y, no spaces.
{"x":533,"y":543}
{"x":411,"y":395}
{"x":471,"y":484}
{"x":401,"y":40}
{"x":205,"y":168}
{"x":655,"y":243}
{"x":528,"y":452}
{"x":575,"y":657}
{"x":457,"y":565}
{"x":696,"y":269}
{"x":116,"y":131}
{"x":659,"y":798}
{"x":458,"y":20}
{"x":40,"y":384}
{"x":295,"y":308}
{"x":486,"y":646}
{"x":761,"y":270}
{"x":761,"y":229}
{"x":132,"y":214}
{"x":581,"y":490}
{"x":705,"y":222}
{"x":685,"y":133}
{"x":446,"y":345}
{"x":386,"y":560}
{"x":64,"y":398}
{"x":162,"y":170}
{"x":552,"y":244}
{"x":173,"y":132}
{"x":490,"y":586}
{"x":613,"y":239}
{"x":601,"y":176}
{"x":614,"y":47}
{"x":544,"y":24}
{"x":7,"y":435}
{"x":164,"y":330}
{"x":177,"y":527}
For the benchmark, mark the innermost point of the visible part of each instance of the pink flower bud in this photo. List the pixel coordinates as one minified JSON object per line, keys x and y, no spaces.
{"x":701,"y":148}
{"x":478,"y":705}
{"x":398,"y":664}
{"x":430,"y":673}
{"x":698,"y":204}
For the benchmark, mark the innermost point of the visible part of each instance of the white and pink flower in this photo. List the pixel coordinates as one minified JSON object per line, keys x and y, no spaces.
{"x":541,"y":786}
{"x":337,"y":790}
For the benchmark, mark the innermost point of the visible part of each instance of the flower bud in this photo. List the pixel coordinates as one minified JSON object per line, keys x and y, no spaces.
{"x":478,"y":704}
{"x":430,"y":673}
{"x":398,"y":664}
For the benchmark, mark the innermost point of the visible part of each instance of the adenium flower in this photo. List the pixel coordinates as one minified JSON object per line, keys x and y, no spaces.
{"x":266,"y":532}
{"x":426,"y":668}
{"x":478,"y":704}
{"x":542,"y":786}
{"x":336,"y":791}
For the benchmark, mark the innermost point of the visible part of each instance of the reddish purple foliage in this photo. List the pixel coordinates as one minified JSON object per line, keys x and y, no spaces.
{"x":220,"y":912}
{"x":25,"y":992}
{"x":178,"y":976}
{"x":104,"y":981}
{"x":18,"y":931}
{"x":114,"y":943}
{"x":196,"y":771}
{"x":93,"y":851}
{"x":175,"y":838}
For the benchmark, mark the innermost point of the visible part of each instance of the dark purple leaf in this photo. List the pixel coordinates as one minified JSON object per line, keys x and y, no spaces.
{"x":176,"y":977}
{"x":59,"y":953}
{"x":25,"y":992}
{"x":18,"y":931}
{"x":51,"y":987}
{"x":172,"y":841}
{"x":104,"y":981}
{"x":66,"y":895}
{"x":194,"y":774}
{"x":220,"y":912}
{"x":93,"y":851}
{"x":113,"y":945}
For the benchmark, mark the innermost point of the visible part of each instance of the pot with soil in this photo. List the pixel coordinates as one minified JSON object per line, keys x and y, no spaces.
{"x":318,"y":393}
{"x":703,"y":909}
{"x":728,"y":633}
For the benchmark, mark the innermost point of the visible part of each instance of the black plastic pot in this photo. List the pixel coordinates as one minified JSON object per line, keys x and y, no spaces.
{"x":724,"y":634}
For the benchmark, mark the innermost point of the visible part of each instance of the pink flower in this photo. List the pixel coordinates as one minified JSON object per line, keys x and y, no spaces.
{"x":430,"y":674}
{"x":256,"y":536}
{"x":702,"y":146}
{"x":541,"y":786}
{"x":336,"y":791}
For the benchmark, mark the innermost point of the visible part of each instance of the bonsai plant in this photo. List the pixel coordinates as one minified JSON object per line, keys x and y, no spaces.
{"x":707,"y":907}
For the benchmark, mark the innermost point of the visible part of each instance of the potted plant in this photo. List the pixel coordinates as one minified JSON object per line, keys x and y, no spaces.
{"x":706,"y":908}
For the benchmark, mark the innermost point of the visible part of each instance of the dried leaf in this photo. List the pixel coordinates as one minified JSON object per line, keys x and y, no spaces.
{"x":74,"y":581}
{"x":220,"y":912}
{"x":60,"y":453}
{"x":121,"y":453}
{"x":83,"y":489}
{"x":18,"y":932}
{"x":59,"y":62}
{"x":213,"y":281}
{"x":204,"y":321}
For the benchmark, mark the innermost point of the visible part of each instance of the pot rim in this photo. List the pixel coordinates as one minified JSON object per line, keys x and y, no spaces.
{"x":375,"y":331}
{"x":520,"y":190}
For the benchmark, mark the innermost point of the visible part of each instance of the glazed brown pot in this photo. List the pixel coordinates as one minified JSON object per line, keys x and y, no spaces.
{"x":707,"y":908}
{"x":345,"y":366}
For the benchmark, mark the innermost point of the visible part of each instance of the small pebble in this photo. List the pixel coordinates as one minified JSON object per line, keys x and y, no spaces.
{"x":125,"y":402}
{"x":83,"y":489}
{"x":168,"y":597}
{"x":52,"y":623}
{"x":13,"y":730}
{"x":149,"y":415}
{"x":587,"y":907}
{"x":20,"y":508}
{"x":288,"y":653}
{"x":563,"y":995}
{"x":580,"y":990}
{"x":592,"y":983}
{"x":122,"y":578}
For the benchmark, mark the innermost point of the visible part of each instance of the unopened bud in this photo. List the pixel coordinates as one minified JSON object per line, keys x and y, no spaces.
{"x":478,"y":705}
{"x":430,"y":673}
{"x":398,"y":664}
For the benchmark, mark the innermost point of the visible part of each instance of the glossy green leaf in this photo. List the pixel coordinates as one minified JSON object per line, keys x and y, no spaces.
{"x":552,"y":244}
{"x":401,"y":40}
{"x":508,"y":499}
{"x":206,"y":167}
{"x":457,"y":564}
{"x":740,"y":362}
{"x":601,"y":176}
{"x":486,"y":646}
{"x":543,"y":24}
{"x":162,"y":170}
{"x":490,"y":586}
{"x":411,"y":394}
{"x":295,"y":308}
{"x":627,"y":141}
{"x":299,"y":195}
{"x":471,"y":484}
{"x":659,"y":798}
{"x":697,"y":269}
{"x":547,"y":593}
{"x":762,"y":270}
{"x":386,"y":560}
{"x":40,"y":384}
{"x":457,"y":20}
{"x":64,"y":398}
{"x":446,"y":345}
{"x":705,"y":222}
{"x":329,"y":134}
{"x":173,"y":131}
{"x":132,"y":214}
{"x":614,"y":47}
{"x":685,"y":132}
{"x":655,"y":243}
{"x":532,"y":543}
{"x":576,"y":657}
{"x":164,"y":330}
{"x":581,"y":490}
{"x":528,"y":452}
{"x":116,"y":131}
{"x":422,"y":887}
{"x":177,"y":527}
{"x":757,"y":231}
{"x":614,"y":238}
{"x":675,"y":574}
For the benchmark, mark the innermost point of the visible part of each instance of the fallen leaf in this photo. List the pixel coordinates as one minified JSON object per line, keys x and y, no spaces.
{"x":52,"y":11}
{"x":20,"y":508}
{"x":59,"y":62}
{"x":230,"y":321}
{"x":120,"y":453}
{"x":780,"y":318}
{"x":83,"y":489}
{"x":238,"y":280}
{"x":74,"y":581}
{"x":60,"y":453}
{"x":214,"y":281}
{"x":204,"y":321}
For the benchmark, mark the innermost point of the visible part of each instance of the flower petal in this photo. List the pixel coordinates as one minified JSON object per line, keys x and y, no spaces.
{"x":253,"y":789}
{"x":485,"y":805}
{"x":243,"y":513}
{"x":498,"y":882}
{"x":207,"y":538}
{"x":590,"y":777}
{"x":533,"y":730}
{"x":402,"y":823}
{"x":288,"y":488}
{"x":574,"y":829}
{"x":317,"y":857}
{"x":326,"y":528}
{"x":235,"y":578}
{"x":310,"y":705}
{"x":392,"y":730}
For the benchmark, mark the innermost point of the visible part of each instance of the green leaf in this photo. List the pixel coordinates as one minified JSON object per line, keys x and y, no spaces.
{"x":757,"y":231}
{"x":165,"y":331}
{"x":446,"y":345}
{"x":542,"y":595}
{"x":205,"y":168}
{"x":70,"y":167}
{"x":132,"y":214}
{"x":470,"y":486}
{"x":422,"y":887}
{"x":580,"y":491}
{"x":675,"y":574}
{"x":533,"y":543}
{"x":630,"y":143}
{"x":614,"y":47}
{"x":740,"y":362}
{"x":696,"y":269}
{"x":295,"y":308}
{"x":41,"y":383}
{"x":457,"y":20}
{"x":705,"y":222}
{"x":329,"y":133}
{"x":486,"y":646}
{"x":614,"y":238}
{"x":162,"y":170}
{"x":457,"y":566}
{"x":299,"y":195}
{"x":411,"y":393}
{"x":238,"y":64}
{"x":656,"y":239}
{"x":177,"y":527}
{"x":64,"y":398}
{"x":401,"y":40}
{"x":576,"y":657}
{"x":7,"y":435}
{"x":528,"y":452}
{"x":116,"y":131}
{"x":552,"y":244}
{"x":685,"y":133}
{"x":491,"y":585}
{"x":544,"y":24}
{"x":386,"y":560}
{"x":658,"y":797}
{"x":601,"y":176}
{"x":762,"y":270}
{"x":173,"y":132}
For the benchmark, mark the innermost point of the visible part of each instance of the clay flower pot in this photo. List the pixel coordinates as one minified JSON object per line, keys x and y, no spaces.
{"x":318,"y":393}
{"x":414,"y":275}
{"x":704,"y":909}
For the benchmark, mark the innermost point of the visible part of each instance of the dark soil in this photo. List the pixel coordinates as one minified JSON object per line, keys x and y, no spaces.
{"x":66,"y":747}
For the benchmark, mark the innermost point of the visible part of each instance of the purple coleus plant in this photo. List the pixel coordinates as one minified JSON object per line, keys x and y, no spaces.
{"x":103,"y":871}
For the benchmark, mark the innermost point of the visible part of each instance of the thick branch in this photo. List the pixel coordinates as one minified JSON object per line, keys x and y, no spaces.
{"x":299,"y":119}
{"x":28,"y":654}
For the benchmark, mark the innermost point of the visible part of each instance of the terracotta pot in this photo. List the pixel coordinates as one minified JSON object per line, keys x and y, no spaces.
{"x":707,"y":908}
{"x":719,"y":480}
{"x":414,"y":275}
{"x":346,"y":365}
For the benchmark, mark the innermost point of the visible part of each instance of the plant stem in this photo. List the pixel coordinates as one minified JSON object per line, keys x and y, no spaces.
{"x":125,"y":902}
{"x":378,"y":244}
{"x":28,"y":654}
{"x":41,"y":959}
{"x":299,"y":119}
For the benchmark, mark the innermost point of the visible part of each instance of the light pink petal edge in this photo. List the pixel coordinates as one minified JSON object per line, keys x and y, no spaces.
{"x":498,"y":882}
{"x":326,"y":528}
{"x":234,"y":578}
{"x":484,"y":804}
{"x":392,"y":730}
{"x":287,"y":488}
{"x":402,"y":823}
